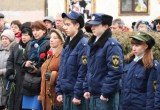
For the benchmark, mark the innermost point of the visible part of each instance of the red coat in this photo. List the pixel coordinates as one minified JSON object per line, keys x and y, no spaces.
{"x":50,"y":85}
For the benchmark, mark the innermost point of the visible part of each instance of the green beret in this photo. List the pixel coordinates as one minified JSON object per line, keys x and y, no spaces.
{"x":144,"y":37}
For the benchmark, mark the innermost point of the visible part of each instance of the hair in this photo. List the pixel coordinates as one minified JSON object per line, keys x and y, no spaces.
{"x":133,"y":24}
{"x":27,"y":30}
{"x":119,"y":21}
{"x":59,"y":15}
{"x":26,"y":24}
{"x":74,"y":22}
{"x":16,"y":22}
{"x":147,"y":59}
{"x":38,"y":25}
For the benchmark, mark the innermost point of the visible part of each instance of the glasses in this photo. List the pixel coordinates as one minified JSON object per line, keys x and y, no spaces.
{"x":156,"y":22}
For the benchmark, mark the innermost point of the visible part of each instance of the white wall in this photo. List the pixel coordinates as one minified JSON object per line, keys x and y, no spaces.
{"x":55,"y":6}
{"x":109,"y":7}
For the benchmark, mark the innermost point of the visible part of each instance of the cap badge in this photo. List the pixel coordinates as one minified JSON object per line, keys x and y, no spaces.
{"x":93,"y":18}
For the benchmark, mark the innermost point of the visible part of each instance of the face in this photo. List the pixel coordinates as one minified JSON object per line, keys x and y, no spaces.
{"x":99,"y":29}
{"x":15,"y":28}
{"x":139,"y":49}
{"x":70,"y":28}
{"x":25,"y":37}
{"x":142,"y":27}
{"x":115,"y":27}
{"x":1,"y":22}
{"x":59,"y":23}
{"x":38,"y":33}
{"x":5,"y":41}
{"x":158,"y":26}
{"x":48,"y":24}
{"x":54,"y":40}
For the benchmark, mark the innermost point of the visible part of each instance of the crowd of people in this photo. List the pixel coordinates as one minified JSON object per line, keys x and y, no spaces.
{"x":63,"y":63}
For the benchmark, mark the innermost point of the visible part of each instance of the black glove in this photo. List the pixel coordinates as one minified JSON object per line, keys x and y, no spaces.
{"x":11,"y":78}
{"x":47,"y":76}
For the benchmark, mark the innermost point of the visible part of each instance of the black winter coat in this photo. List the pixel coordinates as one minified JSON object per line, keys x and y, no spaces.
{"x":31,"y":83}
{"x":14,"y":70}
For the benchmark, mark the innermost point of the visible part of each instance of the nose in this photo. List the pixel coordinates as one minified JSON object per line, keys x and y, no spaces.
{"x":64,"y":27}
{"x":133,"y":48}
{"x":92,"y":27}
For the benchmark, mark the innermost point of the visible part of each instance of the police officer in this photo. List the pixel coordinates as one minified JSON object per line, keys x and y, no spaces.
{"x":105,"y":65}
{"x":73,"y":64}
{"x":140,"y":74}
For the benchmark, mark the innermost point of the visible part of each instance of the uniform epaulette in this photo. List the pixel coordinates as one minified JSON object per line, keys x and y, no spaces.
{"x":84,"y":42}
{"x":155,"y":63}
{"x":112,"y":41}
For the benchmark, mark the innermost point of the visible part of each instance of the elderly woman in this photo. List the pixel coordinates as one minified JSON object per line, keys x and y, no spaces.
{"x":32,"y":64}
{"x":7,"y":43}
{"x":50,"y":71}
{"x":142,"y":26}
{"x":15,"y":27}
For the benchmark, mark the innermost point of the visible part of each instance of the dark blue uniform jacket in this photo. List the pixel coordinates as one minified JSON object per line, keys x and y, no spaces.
{"x":138,"y":86}
{"x":105,"y":65}
{"x":73,"y":67}
{"x":157,"y":94}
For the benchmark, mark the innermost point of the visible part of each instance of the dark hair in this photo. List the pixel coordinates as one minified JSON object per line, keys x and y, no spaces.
{"x":16,"y":22}
{"x":133,"y":24}
{"x":26,"y":24}
{"x":74,"y":22}
{"x":39,"y":25}
{"x":135,"y":41}
{"x":27,"y":30}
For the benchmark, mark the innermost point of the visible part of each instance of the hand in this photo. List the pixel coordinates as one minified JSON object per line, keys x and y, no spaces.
{"x":76,"y":101}
{"x":34,"y":70}
{"x":60,"y":98}
{"x":28,"y":63}
{"x":11,"y":78}
{"x":47,"y":76}
{"x":87,"y":95}
{"x":104,"y":99}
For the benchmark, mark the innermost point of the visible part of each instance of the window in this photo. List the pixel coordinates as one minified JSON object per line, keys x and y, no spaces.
{"x":85,"y":7}
{"x":134,"y":7}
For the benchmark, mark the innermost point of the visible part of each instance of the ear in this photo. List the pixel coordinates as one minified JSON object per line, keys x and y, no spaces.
{"x":145,"y":46}
{"x":77,"y":25}
{"x":106,"y":26}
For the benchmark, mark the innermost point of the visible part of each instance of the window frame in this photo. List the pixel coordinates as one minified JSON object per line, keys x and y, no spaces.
{"x":128,"y":13}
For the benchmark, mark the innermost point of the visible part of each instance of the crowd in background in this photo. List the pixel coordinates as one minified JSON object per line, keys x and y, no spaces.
{"x":63,"y":63}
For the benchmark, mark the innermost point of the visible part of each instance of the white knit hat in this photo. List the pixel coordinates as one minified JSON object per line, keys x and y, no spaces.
{"x":9,"y":34}
{"x":59,"y":33}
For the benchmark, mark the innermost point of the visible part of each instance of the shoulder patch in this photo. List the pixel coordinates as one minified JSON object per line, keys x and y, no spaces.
{"x":84,"y":59}
{"x":155,"y":85}
{"x":115,"y":61}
